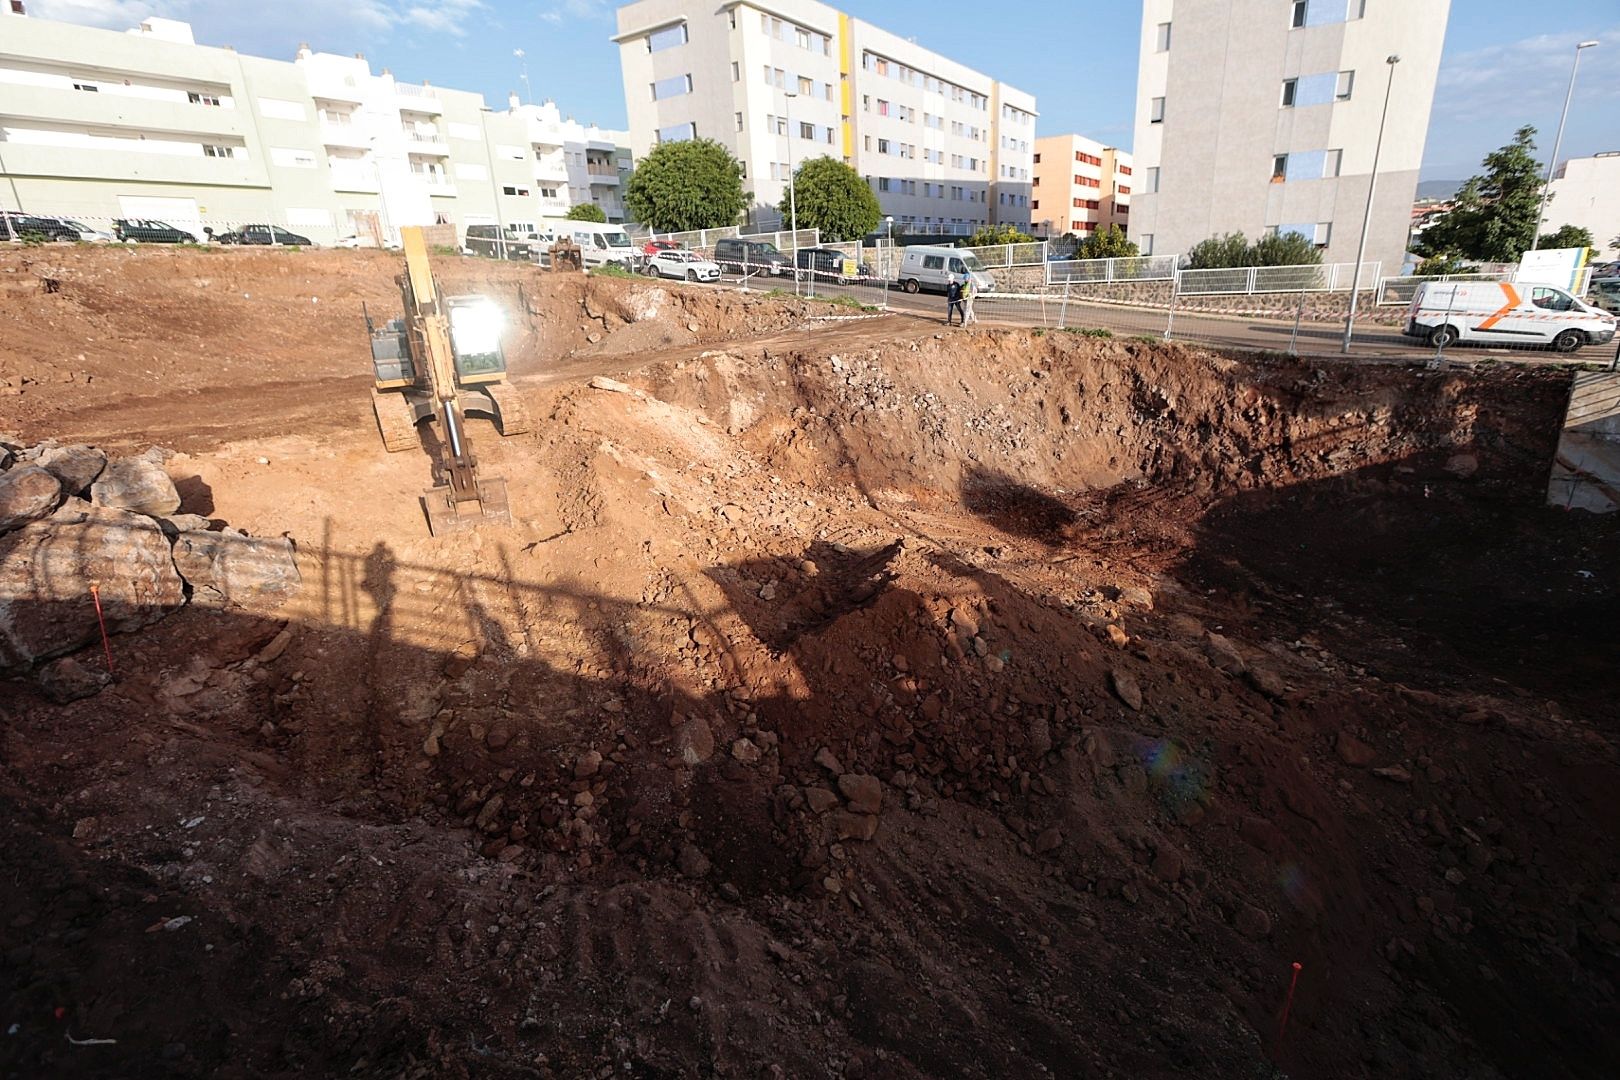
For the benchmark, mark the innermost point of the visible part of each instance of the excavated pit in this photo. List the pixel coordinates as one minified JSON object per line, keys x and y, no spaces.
{"x":857,"y":700}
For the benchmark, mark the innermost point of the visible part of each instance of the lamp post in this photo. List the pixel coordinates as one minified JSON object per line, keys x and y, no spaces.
{"x":1558,"y":141}
{"x":1366,"y":217}
{"x":884,"y":256}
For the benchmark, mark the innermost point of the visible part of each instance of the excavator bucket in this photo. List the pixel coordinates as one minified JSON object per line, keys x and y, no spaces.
{"x":446,"y":515}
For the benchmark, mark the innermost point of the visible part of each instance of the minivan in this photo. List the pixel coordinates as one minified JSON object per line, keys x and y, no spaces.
{"x":1505,"y":313}
{"x":600,"y":244}
{"x":737,"y":256}
{"x":932,"y":268}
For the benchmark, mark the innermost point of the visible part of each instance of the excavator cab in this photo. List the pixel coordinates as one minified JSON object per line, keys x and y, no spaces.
{"x":442,"y":361}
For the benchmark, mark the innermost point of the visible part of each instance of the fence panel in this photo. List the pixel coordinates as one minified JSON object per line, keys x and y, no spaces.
{"x":1400,"y":290}
{"x":1100,"y":271}
{"x":999,"y":256}
{"x":1328,"y":277}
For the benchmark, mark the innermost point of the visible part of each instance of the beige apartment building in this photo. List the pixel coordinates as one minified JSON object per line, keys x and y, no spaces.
{"x":1261,"y":116}
{"x":946,"y":149}
{"x":99,"y":125}
{"x":1585,"y":192}
{"x":1081,"y":187}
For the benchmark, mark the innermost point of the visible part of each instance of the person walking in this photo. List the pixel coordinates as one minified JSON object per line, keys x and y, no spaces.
{"x":953,"y":300}
{"x":969,"y":290}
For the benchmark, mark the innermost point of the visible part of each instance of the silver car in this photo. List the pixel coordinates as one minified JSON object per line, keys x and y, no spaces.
{"x":682,"y":264}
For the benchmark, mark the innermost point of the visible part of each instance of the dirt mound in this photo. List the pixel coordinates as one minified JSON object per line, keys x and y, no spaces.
{"x":859,"y":702}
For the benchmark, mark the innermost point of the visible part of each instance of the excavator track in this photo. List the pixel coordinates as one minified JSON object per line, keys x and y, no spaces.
{"x":512,"y":414}
{"x":396,"y":420}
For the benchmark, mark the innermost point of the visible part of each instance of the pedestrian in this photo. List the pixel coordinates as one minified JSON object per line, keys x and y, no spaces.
{"x":953,"y":300}
{"x":969,"y":291}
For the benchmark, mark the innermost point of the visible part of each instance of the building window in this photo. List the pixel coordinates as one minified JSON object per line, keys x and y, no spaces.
{"x":739,"y":121}
{"x":1332,"y":162}
{"x":1289,"y":92}
{"x":1156,"y":111}
{"x":548,"y":193}
{"x":210,"y":150}
{"x":1297,"y":18}
{"x":806,"y":131}
{"x":1037,"y":159}
{"x":1163,"y":44}
{"x":667,"y":38}
{"x":1152,"y":179}
{"x":1347,"y":83}
{"x":736,"y":71}
{"x":677,"y":132}
{"x":674,"y":86}
{"x":1324,"y":232}
{"x":1123,"y":190}
{"x":87,"y":86}
{"x":1279,"y":168}
{"x":197,"y":98}
{"x":1036,"y":205}
{"x":522,"y":192}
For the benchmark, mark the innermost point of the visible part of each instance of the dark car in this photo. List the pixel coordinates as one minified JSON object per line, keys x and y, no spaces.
{"x":262,"y":234}
{"x":31,"y":227}
{"x":146,"y":231}
{"x":754,"y":256}
{"x":829,"y":264}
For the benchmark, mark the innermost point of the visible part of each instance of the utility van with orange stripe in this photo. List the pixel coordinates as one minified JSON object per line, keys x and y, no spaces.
{"x":1505,"y":313}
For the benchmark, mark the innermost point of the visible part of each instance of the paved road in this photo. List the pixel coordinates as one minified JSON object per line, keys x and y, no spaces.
{"x":1313,"y":339}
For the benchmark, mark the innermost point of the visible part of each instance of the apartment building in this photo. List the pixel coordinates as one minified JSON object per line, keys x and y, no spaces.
{"x":1585,"y":192}
{"x":945,"y":148}
{"x":1260,"y":116}
{"x":148,"y":124}
{"x":1081,"y":187}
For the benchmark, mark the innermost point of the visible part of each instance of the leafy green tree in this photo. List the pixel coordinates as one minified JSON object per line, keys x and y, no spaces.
{"x":1569,"y":236}
{"x":1436,"y":265}
{"x":1218,"y":252}
{"x":990,"y":235}
{"x":1284,"y":249}
{"x":586,"y":212}
{"x":1109,"y":243}
{"x":832,"y":197}
{"x":1494,"y":216}
{"x":690,"y":184}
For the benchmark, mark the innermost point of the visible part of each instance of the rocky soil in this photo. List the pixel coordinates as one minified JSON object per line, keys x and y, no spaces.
{"x":847,"y":700}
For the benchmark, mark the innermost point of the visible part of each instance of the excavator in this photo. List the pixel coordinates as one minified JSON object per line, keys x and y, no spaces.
{"x":443,"y":361}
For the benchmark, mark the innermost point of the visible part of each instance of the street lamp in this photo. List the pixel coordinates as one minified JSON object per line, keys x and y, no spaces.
{"x":1558,"y":141}
{"x":1366,"y":217}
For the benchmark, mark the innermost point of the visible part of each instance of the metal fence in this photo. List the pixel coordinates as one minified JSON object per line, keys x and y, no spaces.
{"x":704,"y":239}
{"x":997,"y":256}
{"x":1400,"y":290}
{"x":1101,"y":271}
{"x":1326,"y":277}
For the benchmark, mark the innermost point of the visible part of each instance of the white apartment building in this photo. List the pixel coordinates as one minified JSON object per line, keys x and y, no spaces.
{"x":98,"y":125}
{"x":1082,"y":186}
{"x":945,"y":148}
{"x":1586,"y":192}
{"x":1260,"y":116}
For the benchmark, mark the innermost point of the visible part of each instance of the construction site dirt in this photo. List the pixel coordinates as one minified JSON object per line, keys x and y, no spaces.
{"x":850,"y":697}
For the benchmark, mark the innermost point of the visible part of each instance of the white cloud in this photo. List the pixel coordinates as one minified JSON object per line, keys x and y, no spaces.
{"x":109,"y":14}
{"x":340,"y":27}
{"x":449,"y":17}
{"x":576,"y":9}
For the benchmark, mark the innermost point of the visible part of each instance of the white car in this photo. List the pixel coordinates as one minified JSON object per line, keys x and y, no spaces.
{"x":682,"y":264}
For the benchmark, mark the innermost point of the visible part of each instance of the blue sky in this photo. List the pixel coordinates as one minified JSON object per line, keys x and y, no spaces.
{"x":1506,"y":62}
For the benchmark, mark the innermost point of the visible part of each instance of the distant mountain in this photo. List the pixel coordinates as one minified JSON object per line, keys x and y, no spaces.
{"x":1438,"y":189}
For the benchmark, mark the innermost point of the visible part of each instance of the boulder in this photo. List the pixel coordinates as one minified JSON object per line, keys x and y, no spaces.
{"x":77,"y":466}
{"x":694,"y":741}
{"x":865,"y":793}
{"x":27,"y":493}
{"x":224,"y":568}
{"x":65,"y":679}
{"x":138,"y":485}
{"x":47,"y":568}
{"x":1125,"y":688}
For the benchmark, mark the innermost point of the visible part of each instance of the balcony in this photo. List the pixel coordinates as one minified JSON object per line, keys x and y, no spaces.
{"x":340,"y":88}
{"x":603,"y":175}
{"x":422,"y":139}
{"x":354,"y":177}
{"x":418,"y":98}
{"x":334,"y":133}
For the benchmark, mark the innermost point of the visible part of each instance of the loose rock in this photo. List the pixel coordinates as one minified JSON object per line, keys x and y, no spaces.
{"x":223,"y":568}
{"x":27,"y":493}
{"x":1124,"y":685}
{"x":77,"y":467}
{"x":865,"y":793}
{"x":68,"y":680}
{"x":137,"y":485}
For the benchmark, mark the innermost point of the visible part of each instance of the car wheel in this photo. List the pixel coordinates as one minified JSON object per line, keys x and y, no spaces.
{"x":691,"y":275}
{"x":911,"y":285}
{"x":1442,"y":336}
{"x":1569,"y":340}
{"x":650,"y":271}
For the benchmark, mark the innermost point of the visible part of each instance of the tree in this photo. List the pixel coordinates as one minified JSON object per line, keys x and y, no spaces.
{"x":690,"y":184}
{"x":1494,"y":216}
{"x":1233,"y":250}
{"x":586,"y":212}
{"x":991,"y":235}
{"x":1568,"y":236}
{"x":832,"y":197}
{"x":1436,"y":265}
{"x":1110,"y":243}
{"x":1219,"y":251}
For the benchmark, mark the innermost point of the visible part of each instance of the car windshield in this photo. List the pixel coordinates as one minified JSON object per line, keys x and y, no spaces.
{"x":616,"y":239}
{"x":971,"y":261}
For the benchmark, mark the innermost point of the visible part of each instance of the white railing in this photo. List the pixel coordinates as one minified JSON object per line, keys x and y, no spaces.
{"x":1326,"y":277}
{"x":704,"y":239}
{"x":1101,"y":271}
{"x":1400,"y":290}
{"x":1001,"y":256}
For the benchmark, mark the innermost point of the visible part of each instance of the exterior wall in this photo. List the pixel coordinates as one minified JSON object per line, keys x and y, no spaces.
{"x":1224,"y":123}
{"x":933,"y":161}
{"x":1071,"y":170}
{"x":1586,"y":192}
{"x":320,"y":145}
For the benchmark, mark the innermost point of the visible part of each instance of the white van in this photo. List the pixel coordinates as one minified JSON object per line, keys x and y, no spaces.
{"x":599,"y":244}
{"x":1505,"y":313}
{"x":932,"y":268}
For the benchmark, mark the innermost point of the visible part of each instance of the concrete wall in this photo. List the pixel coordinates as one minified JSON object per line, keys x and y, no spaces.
{"x":1586,"y":193}
{"x":1224,"y":122}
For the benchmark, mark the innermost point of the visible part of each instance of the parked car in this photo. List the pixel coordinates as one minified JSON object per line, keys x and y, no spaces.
{"x":147,"y":231}
{"x":32,"y":227}
{"x":830,"y":264}
{"x":653,"y":247}
{"x":262,"y":234}
{"x":489,"y":240}
{"x":757,"y":256}
{"x":682,"y":264}
{"x":86,"y":234}
{"x":1605,"y":293}
{"x":1505,"y":313}
{"x":933,"y":268}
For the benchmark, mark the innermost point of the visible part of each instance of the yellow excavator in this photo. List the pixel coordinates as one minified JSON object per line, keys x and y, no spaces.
{"x":443,"y":361}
